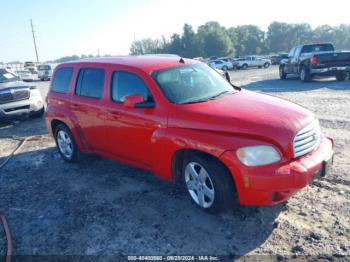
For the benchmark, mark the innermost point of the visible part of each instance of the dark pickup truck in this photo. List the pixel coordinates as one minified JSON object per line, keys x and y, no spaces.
{"x":312,"y":60}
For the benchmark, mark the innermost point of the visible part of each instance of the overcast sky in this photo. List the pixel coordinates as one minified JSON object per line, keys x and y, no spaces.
{"x":68,"y":27}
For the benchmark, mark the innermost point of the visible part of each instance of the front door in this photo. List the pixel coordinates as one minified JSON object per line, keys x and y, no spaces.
{"x":129,"y":130}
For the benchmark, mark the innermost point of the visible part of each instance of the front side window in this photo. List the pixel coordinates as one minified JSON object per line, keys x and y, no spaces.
{"x":291,"y":53}
{"x":90,"y":83}
{"x":125,"y":84}
{"x":192,"y":84}
{"x":61,"y":80}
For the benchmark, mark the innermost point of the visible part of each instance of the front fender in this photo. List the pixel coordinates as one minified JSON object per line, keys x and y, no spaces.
{"x":166,"y":142}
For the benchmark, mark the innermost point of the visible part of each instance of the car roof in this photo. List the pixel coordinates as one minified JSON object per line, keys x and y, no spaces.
{"x":146,"y":63}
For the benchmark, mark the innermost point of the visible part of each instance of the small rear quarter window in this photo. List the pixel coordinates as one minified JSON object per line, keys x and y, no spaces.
{"x":61,"y":80}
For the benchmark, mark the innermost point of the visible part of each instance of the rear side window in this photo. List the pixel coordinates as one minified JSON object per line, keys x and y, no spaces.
{"x":61,"y":80}
{"x":125,"y":84}
{"x":90,"y":82}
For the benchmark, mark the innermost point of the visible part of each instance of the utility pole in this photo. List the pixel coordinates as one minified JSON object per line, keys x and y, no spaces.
{"x":36,"y":50}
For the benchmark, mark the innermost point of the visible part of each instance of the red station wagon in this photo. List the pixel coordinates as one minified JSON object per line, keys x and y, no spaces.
{"x":181,"y":120}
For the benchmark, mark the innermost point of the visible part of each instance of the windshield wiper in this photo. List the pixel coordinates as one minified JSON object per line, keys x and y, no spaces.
{"x":208,"y":98}
{"x":220,"y":94}
{"x":195,"y":101}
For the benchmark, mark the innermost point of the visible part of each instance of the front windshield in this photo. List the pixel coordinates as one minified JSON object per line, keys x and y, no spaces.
{"x":192,"y":83}
{"x":6,"y":76}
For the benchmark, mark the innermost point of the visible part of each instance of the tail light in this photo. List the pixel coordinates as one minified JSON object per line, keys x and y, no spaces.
{"x":314,"y":60}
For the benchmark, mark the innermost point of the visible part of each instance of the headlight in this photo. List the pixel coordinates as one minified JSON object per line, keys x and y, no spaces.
{"x":35,"y":92}
{"x":258,"y":155}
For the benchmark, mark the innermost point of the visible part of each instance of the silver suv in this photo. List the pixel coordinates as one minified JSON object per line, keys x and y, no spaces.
{"x":18,"y":97}
{"x":44,"y":72}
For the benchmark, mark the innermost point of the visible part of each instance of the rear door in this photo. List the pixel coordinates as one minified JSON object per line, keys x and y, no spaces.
{"x":87,"y":105}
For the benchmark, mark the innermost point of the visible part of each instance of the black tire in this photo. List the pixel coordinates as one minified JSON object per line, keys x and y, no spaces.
{"x":340,"y":76}
{"x":266,"y":65}
{"x":76,"y":154}
{"x":282,"y":73}
{"x":225,"y":197}
{"x":305,"y":75}
{"x":38,"y":114}
{"x":225,"y":68}
{"x":244,"y":66}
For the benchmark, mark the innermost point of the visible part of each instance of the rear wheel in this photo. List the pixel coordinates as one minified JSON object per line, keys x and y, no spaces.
{"x":305,"y":75}
{"x":225,"y":68}
{"x":208,"y":184}
{"x":282,"y":73}
{"x":66,"y":144}
{"x":266,"y":65}
{"x":340,"y":76}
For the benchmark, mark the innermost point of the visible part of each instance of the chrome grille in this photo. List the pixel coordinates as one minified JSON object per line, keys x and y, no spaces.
{"x":306,"y":139}
{"x":13,"y":95}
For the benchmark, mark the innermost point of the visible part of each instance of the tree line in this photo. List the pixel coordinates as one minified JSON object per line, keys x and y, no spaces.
{"x":212,"y":39}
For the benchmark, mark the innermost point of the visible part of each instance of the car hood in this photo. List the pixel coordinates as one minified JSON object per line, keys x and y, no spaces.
{"x":14,"y":84}
{"x":246,"y":113}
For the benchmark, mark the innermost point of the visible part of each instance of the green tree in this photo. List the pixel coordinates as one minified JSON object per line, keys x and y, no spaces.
{"x":282,"y":36}
{"x":247,"y":39}
{"x":213,"y":40}
{"x":146,"y":46}
{"x":190,"y":42}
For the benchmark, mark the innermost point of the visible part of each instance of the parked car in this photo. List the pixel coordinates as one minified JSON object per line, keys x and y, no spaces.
{"x":253,"y":61}
{"x":29,"y":64}
{"x":44,"y":72}
{"x":25,"y":75}
{"x":179,"y":119}
{"x":221,"y":64}
{"x":312,"y":60}
{"x":276,"y":59}
{"x":18,"y":97}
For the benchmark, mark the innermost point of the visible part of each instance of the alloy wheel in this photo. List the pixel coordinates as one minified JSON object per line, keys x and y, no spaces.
{"x":65,"y":144}
{"x":199,"y":185}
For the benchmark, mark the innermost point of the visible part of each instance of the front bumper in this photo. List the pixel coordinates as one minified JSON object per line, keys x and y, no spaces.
{"x":271,"y":184}
{"x":22,"y":107}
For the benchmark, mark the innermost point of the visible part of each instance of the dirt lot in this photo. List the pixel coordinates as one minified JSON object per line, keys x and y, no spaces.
{"x":100,"y":207}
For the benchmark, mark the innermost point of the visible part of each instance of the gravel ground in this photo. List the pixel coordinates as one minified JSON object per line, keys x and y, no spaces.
{"x":104,"y":208}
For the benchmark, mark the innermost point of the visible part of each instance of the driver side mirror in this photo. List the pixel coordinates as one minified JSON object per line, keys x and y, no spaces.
{"x":137,"y":101}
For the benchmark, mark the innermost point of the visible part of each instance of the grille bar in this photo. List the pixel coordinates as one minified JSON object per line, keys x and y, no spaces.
{"x":13,"y":95}
{"x":306,"y":139}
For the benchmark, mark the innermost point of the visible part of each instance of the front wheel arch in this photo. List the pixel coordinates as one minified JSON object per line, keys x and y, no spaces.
{"x":181,"y":154}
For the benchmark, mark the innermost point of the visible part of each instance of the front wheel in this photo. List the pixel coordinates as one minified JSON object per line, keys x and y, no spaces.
{"x":38,"y":114}
{"x":66,"y":144}
{"x":245,"y":66}
{"x":266,"y":65}
{"x":208,"y":183}
{"x":225,"y":68}
{"x":282,"y":73}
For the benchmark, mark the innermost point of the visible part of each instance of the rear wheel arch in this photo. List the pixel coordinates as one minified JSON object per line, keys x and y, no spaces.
{"x":55,"y":123}
{"x":82,"y":145}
